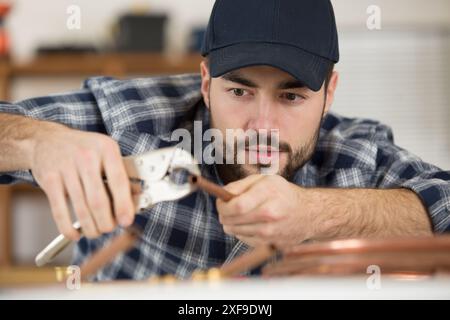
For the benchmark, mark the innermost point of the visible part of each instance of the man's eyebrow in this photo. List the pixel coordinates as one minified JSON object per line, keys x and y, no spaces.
{"x":291,"y":84}
{"x":237,"y":78}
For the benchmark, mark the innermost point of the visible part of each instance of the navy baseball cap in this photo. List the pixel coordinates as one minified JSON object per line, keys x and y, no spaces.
{"x":296,"y":36}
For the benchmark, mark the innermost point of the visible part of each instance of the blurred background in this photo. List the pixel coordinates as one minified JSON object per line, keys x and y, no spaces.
{"x":399,"y":74}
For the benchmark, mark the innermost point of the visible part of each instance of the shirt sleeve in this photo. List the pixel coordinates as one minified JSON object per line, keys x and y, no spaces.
{"x":78,"y":110}
{"x":396,"y":167}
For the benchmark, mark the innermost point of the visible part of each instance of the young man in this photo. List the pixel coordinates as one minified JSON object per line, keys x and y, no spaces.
{"x":269,"y":65}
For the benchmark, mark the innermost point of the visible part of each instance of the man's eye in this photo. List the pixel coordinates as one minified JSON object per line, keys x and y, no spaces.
{"x":238,"y":92}
{"x":291,"y":96}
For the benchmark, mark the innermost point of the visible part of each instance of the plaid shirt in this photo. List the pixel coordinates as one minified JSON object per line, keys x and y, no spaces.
{"x":185,"y":235}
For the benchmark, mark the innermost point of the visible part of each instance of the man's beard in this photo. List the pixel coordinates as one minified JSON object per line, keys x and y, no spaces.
{"x":296,"y":158}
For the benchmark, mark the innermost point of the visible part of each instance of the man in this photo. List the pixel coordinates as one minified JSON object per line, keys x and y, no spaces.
{"x":269,"y":65}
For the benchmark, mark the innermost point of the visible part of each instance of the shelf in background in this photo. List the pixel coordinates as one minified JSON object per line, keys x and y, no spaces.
{"x":114,"y":64}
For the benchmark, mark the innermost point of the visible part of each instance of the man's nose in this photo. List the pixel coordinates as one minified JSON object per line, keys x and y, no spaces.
{"x":263,"y":116}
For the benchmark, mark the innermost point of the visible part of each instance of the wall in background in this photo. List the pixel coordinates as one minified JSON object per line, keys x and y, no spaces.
{"x":34,"y":22}
{"x":402,"y":78}
{"x":44,"y":21}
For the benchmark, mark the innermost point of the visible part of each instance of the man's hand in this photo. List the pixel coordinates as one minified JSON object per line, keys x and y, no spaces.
{"x":70,"y":165}
{"x":268,"y":209}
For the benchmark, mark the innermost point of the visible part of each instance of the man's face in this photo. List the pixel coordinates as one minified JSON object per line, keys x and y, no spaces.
{"x":263,"y":97}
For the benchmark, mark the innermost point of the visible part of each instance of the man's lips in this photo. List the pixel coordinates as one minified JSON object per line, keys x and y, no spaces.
{"x":262,"y":150}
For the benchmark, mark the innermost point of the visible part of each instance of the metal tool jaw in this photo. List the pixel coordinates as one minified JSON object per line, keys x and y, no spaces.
{"x":153,"y":176}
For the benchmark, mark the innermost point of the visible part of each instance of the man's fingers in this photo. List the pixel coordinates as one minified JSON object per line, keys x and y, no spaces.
{"x":58,"y":204}
{"x":265,"y":211}
{"x":77,"y":198}
{"x":237,"y":210}
{"x":240,"y":186}
{"x":119,"y":186}
{"x":97,"y":197}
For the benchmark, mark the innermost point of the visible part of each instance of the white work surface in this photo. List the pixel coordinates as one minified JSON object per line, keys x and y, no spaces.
{"x":240,"y":289}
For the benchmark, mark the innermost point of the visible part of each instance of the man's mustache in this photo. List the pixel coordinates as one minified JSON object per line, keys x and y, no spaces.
{"x":267,"y":144}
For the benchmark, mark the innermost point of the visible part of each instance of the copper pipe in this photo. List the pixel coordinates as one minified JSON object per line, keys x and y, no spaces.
{"x":211,"y":188}
{"x":105,"y":255}
{"x":360,"y":246}
{"x":394,"y":256}
{"x":398,"y":263}
{"x":248,"y":261}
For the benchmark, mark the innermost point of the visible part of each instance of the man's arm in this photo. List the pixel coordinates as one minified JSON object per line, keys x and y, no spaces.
{"x":76,"y":110}
{"x":269,"y":209}
{"x":398,"y":168}
{"x":366,"y":213}
{"x":41,"y":136}
{"x":16,"y":135}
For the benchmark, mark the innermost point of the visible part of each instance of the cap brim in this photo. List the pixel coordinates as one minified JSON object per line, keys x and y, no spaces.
{"x":308,"y":68}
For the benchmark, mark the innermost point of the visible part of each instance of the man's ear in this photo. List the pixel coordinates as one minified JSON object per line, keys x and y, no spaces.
{"x":332,"y":85}
{"x":206,"y":82}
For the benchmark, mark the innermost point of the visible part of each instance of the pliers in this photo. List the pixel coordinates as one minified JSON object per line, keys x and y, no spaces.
{"x":155,"y":176}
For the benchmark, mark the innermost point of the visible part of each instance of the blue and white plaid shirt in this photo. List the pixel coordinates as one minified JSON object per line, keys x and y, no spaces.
{"x":182,"y":236}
